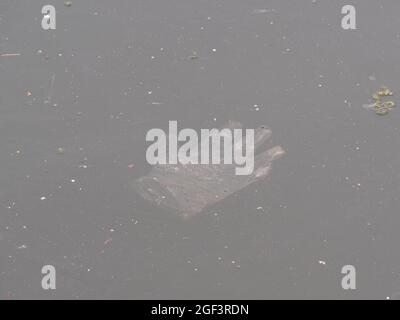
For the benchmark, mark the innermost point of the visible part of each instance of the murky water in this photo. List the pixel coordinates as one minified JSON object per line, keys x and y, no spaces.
{"x":111,"y":71}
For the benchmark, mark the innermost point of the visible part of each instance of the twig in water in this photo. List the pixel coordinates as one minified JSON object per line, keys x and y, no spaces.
{"x":10,"y":54}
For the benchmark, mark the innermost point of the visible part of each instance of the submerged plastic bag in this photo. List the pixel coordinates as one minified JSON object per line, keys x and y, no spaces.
{"x":188,"y":189}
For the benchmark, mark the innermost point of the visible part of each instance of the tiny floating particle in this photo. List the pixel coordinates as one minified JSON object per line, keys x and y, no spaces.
{"x":107,"y":241}
{"x":258,"y":11}
{"x":60,"y":150}
{"x":68,"y":3}
{"x":83,"y":165}
{"x":194,"y":56}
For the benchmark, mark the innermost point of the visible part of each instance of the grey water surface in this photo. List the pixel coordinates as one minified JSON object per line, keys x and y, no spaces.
{"x":75,"y":106}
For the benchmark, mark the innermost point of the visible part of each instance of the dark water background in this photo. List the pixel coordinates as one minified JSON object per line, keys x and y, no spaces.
{"x":121,"y":68}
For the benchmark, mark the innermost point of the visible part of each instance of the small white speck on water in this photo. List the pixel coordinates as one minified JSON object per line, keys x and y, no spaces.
{"x":371,"y":78}
{"x":83,"y":165}
{"x":43,"y":198}
{"x":322,"y":262}
{"x":214,"y":50}
{"x":258,"y":11}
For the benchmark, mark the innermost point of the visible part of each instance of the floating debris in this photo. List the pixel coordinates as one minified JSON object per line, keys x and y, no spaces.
{"x":10,"y":55}
{"x":381,"y":107}
{"x":67,"y":3}
{"x":155,"y":103}
{"x":83,"y":165}
{"x":258,"y":11}
{"x":193,"y":188}
{"x":60,"y":150}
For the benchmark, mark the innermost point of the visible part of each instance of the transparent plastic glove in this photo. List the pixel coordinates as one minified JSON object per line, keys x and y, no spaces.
{"x":188,"y":189}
